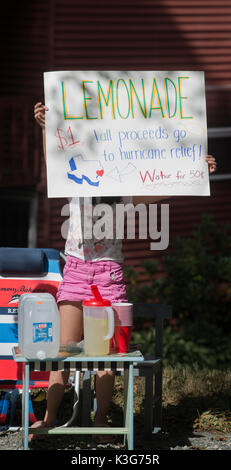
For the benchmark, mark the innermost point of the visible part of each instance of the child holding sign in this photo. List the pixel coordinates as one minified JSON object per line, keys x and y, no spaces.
{"x":88,"y":262}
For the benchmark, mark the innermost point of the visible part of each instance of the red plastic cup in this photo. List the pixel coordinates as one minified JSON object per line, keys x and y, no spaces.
{"x":120,"y":342}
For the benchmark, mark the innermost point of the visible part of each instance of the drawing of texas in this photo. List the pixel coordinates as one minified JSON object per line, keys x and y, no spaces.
{"x":85,"y":170}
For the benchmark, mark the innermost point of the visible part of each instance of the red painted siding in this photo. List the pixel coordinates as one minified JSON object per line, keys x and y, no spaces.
{"x":130,"y":34}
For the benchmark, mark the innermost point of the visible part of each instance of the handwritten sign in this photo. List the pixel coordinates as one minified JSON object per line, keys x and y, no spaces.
{"x":111,"y":133}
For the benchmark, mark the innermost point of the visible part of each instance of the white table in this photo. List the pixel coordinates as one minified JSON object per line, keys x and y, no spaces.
{"x":81,"y":362}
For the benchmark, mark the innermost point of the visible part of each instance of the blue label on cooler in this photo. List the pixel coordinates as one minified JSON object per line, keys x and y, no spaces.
{"x":42,"y":332}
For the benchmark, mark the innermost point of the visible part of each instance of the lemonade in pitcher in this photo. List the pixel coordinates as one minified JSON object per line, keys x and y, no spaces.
{"x":98,"y":324}
{"x":94,"y":342}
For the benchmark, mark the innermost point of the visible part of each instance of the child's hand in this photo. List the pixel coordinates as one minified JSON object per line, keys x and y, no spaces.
{"x":39,"y":114}
{"x":211,"y":163}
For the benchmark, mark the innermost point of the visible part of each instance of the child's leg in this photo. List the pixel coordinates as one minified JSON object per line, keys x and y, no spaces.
{"x":71,"y":329}
{"x":104,"y":390}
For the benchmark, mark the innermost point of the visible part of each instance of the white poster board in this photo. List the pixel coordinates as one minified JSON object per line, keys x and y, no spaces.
{"x":113,"y":133}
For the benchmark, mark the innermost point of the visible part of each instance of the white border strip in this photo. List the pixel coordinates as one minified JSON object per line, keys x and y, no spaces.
{"x":12,"y":319}
{"x":214,"y":132}
{"x":6,"y":349}
{"x":48,"y":277}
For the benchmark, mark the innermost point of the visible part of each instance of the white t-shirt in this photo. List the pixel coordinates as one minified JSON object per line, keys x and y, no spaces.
{"x":92,"y":230}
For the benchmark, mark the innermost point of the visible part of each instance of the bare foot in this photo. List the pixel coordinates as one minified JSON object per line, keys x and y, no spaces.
{"x":38,"y":425}
{"x":103,"y":438}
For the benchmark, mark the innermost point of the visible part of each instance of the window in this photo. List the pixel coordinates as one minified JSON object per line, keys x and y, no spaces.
{"x":219,"y":145}
{"x":18,"y":214}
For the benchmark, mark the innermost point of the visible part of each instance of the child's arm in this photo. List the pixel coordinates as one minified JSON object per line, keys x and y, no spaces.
{"x":39,"y":115}
{"x":212,"y":164}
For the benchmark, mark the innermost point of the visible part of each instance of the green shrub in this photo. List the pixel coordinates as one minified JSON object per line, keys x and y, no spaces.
{"x":197,"y":284}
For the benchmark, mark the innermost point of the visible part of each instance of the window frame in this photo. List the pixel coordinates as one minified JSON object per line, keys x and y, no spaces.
{"x":219,"y":132}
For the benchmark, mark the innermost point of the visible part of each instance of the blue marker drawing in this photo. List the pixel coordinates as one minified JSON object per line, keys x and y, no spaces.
{"x":85,"y":170}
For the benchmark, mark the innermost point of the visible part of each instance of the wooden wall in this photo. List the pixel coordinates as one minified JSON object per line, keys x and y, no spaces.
{"x":43,"y":35}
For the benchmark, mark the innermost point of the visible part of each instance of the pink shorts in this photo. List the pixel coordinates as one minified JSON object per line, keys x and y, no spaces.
{"x":78,"y":276}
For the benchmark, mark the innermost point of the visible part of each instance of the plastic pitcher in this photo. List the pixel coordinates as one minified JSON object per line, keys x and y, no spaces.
{"x":98,"y":324}
{"x":123,"y":313}
{"x":38,"y":326}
